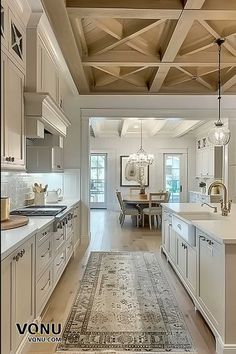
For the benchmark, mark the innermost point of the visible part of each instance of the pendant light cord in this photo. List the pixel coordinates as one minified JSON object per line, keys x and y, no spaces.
{"x":141,"y":134}
{"x":219,"y":83}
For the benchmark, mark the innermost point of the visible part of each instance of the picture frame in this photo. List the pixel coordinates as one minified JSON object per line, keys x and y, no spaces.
{"x":128,"y":174}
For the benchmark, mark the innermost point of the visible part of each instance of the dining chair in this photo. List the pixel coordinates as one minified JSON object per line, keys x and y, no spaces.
{"x":153,"y":208}
{"x":126,"y":209}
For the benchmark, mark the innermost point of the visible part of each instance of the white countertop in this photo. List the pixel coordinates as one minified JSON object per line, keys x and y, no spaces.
{"x":12,"y":239}
{"x":222,"y":229}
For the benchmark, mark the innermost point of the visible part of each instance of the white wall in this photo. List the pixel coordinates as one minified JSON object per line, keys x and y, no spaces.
{"x":115,"y":147}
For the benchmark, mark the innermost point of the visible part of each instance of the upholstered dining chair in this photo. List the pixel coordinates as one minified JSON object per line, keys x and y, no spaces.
{"x":126,"y":209}
{"x":154,"y":209}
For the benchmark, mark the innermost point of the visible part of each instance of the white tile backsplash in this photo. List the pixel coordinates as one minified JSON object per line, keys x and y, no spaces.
{"x":18,"y":185}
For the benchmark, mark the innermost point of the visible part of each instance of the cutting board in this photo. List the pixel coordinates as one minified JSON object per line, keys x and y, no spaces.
{"x":14,"y":221}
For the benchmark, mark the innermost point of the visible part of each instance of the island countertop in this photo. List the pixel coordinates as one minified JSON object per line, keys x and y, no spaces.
{"x":221,"y":229}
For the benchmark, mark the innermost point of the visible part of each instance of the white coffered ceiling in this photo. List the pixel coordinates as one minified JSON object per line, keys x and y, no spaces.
{"x":131,"y":127}
{"x":146,"y":47}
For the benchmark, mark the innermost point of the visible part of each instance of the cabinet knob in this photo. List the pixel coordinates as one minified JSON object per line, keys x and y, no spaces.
{"x":7,"y":158}
{"x":16,"y":258}
{"x":12,"y":159}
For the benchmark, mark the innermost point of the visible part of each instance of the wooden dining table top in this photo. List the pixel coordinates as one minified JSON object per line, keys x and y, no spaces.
{"x":136,"y":198}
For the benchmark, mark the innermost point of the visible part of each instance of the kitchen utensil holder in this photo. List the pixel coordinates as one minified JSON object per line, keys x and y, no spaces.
{"x":40,"y":198}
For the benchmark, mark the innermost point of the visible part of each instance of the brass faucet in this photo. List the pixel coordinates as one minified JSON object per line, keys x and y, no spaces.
{"x":225,"y":204}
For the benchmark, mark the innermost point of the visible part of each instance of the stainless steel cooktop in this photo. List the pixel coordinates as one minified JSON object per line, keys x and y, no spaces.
{"x":39,"y":210}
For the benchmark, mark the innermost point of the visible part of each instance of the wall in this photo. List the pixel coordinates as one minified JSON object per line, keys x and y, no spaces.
{"x":115,"y":147}
{"x":18,"y":186}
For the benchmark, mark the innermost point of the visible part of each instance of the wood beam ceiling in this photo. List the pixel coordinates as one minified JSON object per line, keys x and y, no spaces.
{"x":145,"y":46}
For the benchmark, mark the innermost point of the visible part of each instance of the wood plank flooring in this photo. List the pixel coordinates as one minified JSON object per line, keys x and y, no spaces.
{"x":107,"y":235}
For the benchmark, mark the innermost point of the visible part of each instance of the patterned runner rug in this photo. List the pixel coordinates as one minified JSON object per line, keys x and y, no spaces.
{"x":125,"y":304}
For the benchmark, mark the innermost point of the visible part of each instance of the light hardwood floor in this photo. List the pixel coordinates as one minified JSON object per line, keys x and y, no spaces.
{"x":107,"y":235}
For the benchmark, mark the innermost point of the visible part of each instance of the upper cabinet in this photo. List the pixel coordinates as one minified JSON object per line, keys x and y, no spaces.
{"x":47,"y":72}
{"x":13,"y":62}
{"x":209,"y":160}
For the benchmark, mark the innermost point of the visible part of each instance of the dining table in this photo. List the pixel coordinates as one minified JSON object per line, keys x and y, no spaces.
{"x":137,"y":199}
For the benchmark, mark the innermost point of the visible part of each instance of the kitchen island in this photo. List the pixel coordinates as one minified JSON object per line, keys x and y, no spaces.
{"x":201,"y":247}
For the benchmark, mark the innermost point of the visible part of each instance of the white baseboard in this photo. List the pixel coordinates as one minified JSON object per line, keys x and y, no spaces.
{"x":222,"y":348}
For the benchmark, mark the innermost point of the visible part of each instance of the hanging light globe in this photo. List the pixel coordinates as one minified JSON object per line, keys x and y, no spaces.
{"x":219,"y":135}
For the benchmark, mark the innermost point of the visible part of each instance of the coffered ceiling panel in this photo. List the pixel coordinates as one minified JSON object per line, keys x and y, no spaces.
{"x":148,"y":47}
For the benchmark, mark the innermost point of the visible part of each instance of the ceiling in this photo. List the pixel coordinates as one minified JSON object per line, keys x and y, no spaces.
{"x":146,"y":47}
{"x":131,"y":127}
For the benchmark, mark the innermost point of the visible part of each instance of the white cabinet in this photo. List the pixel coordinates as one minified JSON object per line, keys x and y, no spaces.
{"x":17,"y":303}
{"x":211,"y":272}
{"x":76,"y":226}
{"x":181,"y":256}
{"x":209,"y":162}
{"x":44,"y":159}
{"x":12,"y":115}
{"x":47,"y":72}
{"x":172,"y":243}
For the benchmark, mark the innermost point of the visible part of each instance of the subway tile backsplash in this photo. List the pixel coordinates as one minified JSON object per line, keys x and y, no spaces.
{"x":17,"y":186}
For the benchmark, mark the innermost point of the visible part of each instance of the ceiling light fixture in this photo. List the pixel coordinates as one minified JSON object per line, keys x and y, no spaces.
{"x":141,"y":158}
{"x":220,"y":134}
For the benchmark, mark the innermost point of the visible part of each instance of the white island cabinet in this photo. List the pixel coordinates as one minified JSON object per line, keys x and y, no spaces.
{"x":203,"y":254}
{"x":17,"y":294}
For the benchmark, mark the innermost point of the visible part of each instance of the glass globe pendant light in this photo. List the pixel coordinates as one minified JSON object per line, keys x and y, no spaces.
{"x":219,"y":135}
{"x":141,"y":158}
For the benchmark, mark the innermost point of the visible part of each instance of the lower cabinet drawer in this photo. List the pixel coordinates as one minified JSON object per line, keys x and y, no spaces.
{"x":59,"y":238}
{"x":69,"y":248}
{"x":59,"y":264}
{"x":43,"y":255}
{"x":43,"y":289}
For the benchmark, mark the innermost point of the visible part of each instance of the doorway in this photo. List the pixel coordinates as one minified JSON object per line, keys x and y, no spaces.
{"x":175,"y":177}
{"x":98,"y":180}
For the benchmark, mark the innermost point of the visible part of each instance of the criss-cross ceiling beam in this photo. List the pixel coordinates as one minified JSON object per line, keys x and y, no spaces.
{"x":136,"y":81}
{"x":229,"y":80}
{"x":127,"y":39}
{"x":171,"y":50}
{"x":217,"y":35}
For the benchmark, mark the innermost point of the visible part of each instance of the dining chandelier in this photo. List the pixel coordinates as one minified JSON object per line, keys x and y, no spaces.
{"x":220,"y":134}
{"x":141,"y":158}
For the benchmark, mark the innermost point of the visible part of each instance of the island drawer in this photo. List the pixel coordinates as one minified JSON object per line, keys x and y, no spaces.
{"x":44,"y":255}
{"x":185,"y":230}
{"x":43,"y":289}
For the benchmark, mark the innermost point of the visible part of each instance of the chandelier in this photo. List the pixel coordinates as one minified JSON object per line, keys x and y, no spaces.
{"x":219,"y":135}
{"x":141,"y":158}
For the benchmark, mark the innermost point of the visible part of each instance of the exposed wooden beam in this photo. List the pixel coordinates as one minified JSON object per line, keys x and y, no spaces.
{"x":217,"y":35}
{"x":135,"y":59}
{"x":57,"y":15}
{"x":159,"y":124}
{"x":197,"y":46}
{"x":159,"y":78}
{"x":229,"y":80}
{"x":78,"y":27}
{"x":124,"y":127}
{"x":110,"y":26}
{"x":200,"y":80}
{"x":171,"y":50}
{"x":127,"y":38}
{"x":193,"y":4}
{"x":136,"y":81}
{"x":185,"y":127}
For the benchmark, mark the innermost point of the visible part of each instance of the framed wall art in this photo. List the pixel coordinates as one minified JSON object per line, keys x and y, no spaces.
{"x":129,"y":173}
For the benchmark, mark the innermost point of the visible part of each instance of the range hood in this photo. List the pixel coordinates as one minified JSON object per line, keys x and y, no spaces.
{"x":40,"y":107}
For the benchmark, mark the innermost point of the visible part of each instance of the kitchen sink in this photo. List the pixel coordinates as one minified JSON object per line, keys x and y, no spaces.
{"x":201,"y":216}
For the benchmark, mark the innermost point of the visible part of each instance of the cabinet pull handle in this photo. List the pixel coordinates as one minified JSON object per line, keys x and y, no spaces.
{"x":16,"y":258}
{"x":12,"y":159}
{"x":62,"y":259}
{"x":48,"y":282}
{"x":210,"y":242}
{"x":203,"y":238}
{"x":75,"y":216}
{"x":179,"y":226}
{"x":7,"y":158}
{"x":59,"y":238}
{"x":48,"y":251}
